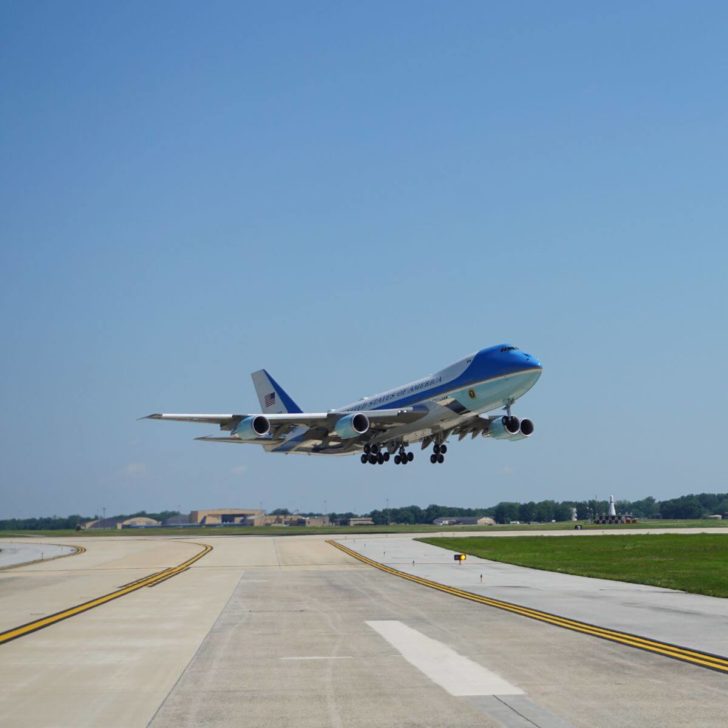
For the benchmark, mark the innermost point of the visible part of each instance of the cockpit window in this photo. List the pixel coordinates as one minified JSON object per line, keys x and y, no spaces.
{"x":509,"y":348}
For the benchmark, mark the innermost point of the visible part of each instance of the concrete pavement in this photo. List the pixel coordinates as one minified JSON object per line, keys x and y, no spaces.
{"x":291,"y":631}
{"x":691,"y":620}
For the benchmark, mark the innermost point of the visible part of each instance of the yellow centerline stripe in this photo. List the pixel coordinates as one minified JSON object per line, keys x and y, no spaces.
{"x":150,"y":580}
{"x":685,"y":654}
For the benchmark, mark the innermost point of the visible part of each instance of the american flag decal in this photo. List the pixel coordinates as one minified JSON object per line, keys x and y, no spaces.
{"x":270,"y":399}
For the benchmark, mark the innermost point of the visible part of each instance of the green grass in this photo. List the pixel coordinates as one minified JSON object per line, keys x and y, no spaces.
{"x":348,"y":530}
{"x":696,"y":563}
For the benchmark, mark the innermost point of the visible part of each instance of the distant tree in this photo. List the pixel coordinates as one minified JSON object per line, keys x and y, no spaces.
{"x":687,"y":506}
{"x":527,"y":512}
{"x":545,"y":511}
{"x":645,"y":508}
{"x":506,"y":512}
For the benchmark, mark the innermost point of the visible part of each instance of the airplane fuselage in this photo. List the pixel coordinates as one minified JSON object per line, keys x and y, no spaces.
{"x":490,"y":379}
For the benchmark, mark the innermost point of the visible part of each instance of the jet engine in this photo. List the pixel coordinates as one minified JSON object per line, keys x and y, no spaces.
{"x":252,"y":427}
{"x":525,"y":430}
{"x":351,"y":426}
{"x":504,"y":428}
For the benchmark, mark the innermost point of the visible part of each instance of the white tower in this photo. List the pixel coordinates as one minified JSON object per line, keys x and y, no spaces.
{"x":612,"y":509}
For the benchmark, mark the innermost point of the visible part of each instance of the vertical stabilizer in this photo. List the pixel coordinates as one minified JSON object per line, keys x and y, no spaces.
{"x":274,"y":400}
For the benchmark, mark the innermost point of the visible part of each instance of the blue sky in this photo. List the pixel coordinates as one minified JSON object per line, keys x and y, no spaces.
{"x":353,"y":195}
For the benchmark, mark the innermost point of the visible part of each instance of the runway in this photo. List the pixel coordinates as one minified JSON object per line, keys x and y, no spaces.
{"x":291,"y":631}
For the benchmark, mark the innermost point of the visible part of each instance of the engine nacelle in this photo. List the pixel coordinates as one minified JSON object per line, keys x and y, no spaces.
{"x":504,"y":428}
{"x":525,"y":430}
{"x":252,"y":427}
{"x":351,"y":426}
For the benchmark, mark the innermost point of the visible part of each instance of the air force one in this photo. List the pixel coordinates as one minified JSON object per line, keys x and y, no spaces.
{"x":429,"y":410}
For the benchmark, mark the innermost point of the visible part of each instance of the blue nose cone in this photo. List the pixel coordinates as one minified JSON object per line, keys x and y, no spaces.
{"x":530,"y":362}
{"x":535,"y":363}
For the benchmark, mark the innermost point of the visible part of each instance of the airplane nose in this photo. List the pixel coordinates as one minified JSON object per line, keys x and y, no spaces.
{"x":531,"y":361}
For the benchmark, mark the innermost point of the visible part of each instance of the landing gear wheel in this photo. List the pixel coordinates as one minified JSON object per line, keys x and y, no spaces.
{"x":367,"y":449}
{"x":443,"y":449}
{"x":386,"y":457}
{"x":375,"y":448}
{"x":410,"y":456}
{"x":373,"y":459}
{"x":365,"y":458}
{"x":436,"y":449}
{"x":380,"y":459}
{"x":433,"y":458}
{"x":397,"y":459}
{"x":440,"y":458}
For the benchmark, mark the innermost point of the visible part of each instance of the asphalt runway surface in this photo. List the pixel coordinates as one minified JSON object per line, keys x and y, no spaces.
{"x":293,"y":631}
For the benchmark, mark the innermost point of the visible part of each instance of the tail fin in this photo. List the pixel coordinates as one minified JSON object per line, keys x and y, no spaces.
{"x":272,"y":397}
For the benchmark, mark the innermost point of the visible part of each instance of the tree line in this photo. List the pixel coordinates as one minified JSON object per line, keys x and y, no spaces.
{"x":697,"y":505}
{"x":687,"y":506}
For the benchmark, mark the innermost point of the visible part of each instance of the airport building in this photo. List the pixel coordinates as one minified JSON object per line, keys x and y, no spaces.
{"x":228,"y":517}
{"x":214,"y":517}
{"x":464,"y":521}
{"x":360,"y":521}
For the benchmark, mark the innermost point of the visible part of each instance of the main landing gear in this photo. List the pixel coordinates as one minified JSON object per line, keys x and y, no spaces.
{"x":373,"y":455}
{"x":438,"y":453}
{"x":403,"y":457}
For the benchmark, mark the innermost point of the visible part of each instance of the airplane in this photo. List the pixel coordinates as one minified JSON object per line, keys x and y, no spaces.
{"x":429,"y":411}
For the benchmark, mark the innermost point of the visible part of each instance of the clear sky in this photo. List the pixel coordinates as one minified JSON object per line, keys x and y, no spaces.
{"x":354,"y":195}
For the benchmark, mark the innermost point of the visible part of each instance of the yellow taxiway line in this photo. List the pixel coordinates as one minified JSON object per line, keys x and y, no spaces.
{"x":151,"y":580}
{"x":685,"y":654}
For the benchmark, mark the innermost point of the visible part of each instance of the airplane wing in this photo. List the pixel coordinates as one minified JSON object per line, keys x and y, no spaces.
{"x":282,"y":423}
{"x":208,"y":419}
{"x":238,"y":441}
{"x":228,"y":422}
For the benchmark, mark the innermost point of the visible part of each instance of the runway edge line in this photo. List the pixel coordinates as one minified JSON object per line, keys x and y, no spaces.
{"x":666,"y":649}
{"x":151,"y":580}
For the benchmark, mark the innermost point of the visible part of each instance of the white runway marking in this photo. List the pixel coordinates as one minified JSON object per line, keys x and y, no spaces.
{"x":450,"y":670}
{"x":320,"y":657}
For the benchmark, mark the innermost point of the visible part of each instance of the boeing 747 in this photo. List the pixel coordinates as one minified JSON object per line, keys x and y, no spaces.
{"x":449,"y":403}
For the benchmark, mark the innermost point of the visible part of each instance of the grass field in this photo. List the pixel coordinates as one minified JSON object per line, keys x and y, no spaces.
{"x":695,"y":563}
{"x":348,"y":530}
